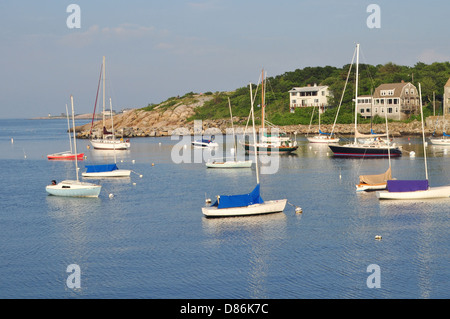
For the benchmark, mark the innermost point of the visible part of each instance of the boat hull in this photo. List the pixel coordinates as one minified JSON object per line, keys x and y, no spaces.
{"x":74,"y":189}
{"x":250,"y":149}
{"x":362,"y":151}
{"x":268,"y":207}
{"x":114,"y":173}
{"x":107,"y":144}
{"x":440,"y":141}
{"x":65,"y":157}
{"x":229,"y":164}
{"x":370,"y":187}
{"x":432,"y":192}
{"x":322,"y":139}
{"x":204,"y":145}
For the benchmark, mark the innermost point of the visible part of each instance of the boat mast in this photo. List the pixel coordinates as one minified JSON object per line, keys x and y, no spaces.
{"x":74,"y":138}
{"x":114,"y":135}
{"x":232,"y":127}
{"x":68,"y":128}
{"x":423,"y":133}
{"x":254,"y":136}
{"x":356,"y":89}
{"x":104,"y":67}
{"x":262,"y":99}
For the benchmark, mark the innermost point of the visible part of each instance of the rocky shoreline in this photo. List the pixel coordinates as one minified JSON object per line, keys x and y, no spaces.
{"x":167,"y":120}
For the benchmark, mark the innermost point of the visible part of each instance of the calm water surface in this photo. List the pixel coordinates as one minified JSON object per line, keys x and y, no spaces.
{"x":150,"y":240}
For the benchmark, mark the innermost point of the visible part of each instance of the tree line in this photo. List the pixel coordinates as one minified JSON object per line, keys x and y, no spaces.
{"x":432,"y":78}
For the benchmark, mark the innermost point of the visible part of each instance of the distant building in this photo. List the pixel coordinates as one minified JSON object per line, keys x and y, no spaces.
{"x":446,"y":98}
{"x":365,"y":105}
{"x":399,"y":100}
{"x":308,"y":96}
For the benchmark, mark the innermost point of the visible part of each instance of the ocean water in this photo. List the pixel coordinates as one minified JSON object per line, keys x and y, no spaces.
{"x":150,"y":239}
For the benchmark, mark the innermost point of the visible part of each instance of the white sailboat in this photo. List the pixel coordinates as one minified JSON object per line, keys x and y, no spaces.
{"x":322,"y":137}
{"x":269,"y":143}
{"x":234,"y":163}
{"x":106,"y":170}
{"x":414,"y":189}
{"x":245,"y":204}
{"x":108,"y":140}
{"x":443,"y":140}
{"x":73,"y":188}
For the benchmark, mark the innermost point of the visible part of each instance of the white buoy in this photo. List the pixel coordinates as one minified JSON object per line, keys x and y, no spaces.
{"x":134,"y":184}
{"x":159,"y":143}
{"x":111,"y":195}
{"x":12,"y":140}
{"x":140,"y":176}
{"x":133,"y":161}
{"x":412,"y":154}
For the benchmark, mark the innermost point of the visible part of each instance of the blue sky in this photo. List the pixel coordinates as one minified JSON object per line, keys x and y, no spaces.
{"x":158,"y":49}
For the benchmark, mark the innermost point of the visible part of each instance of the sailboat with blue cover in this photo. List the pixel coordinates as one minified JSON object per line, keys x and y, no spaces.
{"x":245,"y":204}
{"x":106,"y":170}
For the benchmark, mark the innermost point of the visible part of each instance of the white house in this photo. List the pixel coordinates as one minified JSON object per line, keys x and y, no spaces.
{"x":308,"y":96}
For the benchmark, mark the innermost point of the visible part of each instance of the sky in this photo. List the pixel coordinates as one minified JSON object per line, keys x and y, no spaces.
{"x":159,"y":49}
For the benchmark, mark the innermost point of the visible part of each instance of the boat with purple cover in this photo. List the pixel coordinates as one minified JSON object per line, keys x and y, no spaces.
{"x":414,"y":189}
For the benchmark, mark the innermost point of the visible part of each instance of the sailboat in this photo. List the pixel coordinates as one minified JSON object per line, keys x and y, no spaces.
{"x":66,"y":155}
{"x":214,"y":163}
{"x":106,"y":170}
{"x":377,"y":181}
{"x":73,"y":188}
{"x":443,"y":140}
{"x":322,"y":137}
{"x":245,"y":204}
{"x":108,"y":140}
{"x":414,"y":189}
{"x":270,"y":143}
{"x":372,"y":146}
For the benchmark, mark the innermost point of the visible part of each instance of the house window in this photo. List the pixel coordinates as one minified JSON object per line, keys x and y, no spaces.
{"x":361,"y":111}
{"x":293,"y":93}
{"x":323,"y":93}
{"x":389,"y":110}
{"x":412,"y":91}
{"x":294,"y":101}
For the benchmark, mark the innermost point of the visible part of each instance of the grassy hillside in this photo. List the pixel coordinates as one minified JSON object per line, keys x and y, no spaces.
{"x":432,"y":78}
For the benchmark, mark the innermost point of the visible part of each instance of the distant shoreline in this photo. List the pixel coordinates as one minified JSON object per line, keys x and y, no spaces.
{"x":77,"y":117}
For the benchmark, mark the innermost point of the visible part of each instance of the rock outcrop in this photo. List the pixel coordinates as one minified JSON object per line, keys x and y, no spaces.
{"x":171,"y":117}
